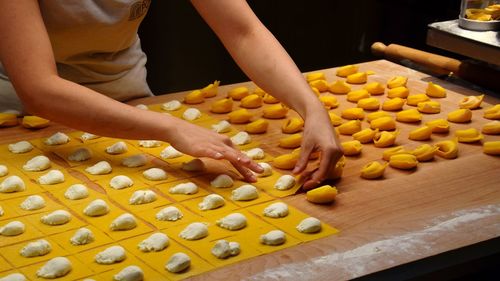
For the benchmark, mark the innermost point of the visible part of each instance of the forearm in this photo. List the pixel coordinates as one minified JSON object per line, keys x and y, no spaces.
{"x":81,"y":108}
{"x":264,"y":60}
{"x":258,"y":53}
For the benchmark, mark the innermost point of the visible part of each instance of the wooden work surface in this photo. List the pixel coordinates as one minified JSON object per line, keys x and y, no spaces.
{"x":407,"y":216}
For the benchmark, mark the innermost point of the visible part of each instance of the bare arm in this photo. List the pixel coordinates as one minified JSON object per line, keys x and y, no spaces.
{"x":265,"y":61}
{"x":27,"y":55}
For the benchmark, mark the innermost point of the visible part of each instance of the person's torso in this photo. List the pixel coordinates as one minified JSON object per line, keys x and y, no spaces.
{"x":96,"y":41}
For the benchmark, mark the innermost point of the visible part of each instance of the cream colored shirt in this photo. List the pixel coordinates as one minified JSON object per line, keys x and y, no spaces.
{"x":95,"y":44}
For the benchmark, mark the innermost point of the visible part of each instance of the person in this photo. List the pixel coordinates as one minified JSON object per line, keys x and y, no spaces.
{"x":73,"y":61}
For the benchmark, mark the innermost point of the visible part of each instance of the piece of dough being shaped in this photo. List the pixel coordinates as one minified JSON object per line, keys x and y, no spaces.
{"x":117,"y":148}
{"x":33,"y":202}
{"x":123,"y":222}
{"x":120,"y":182}
{"x":267,"y":170}
{"x":52,"y":177}
{"x":110,"y":255}
{"x":57,"y":139}
{"x":211,"y":202}
{"x":35,"y":249}
{"x":155,"y":174}
{"x":234,"y":221}
{"x":194,"y":231}
{"x":82,"y":236}
{"x":129,"y":273}
{"x":12,"y":184}
{"x":273,"y":238}
{"x":154,"y":243}
{"x":276,"y":210}
{"x":57,"y":217}
{"x":80,"y":154}
{"x":76,"y":192}
{"x":20,"y":147}
{"x":37,"y":163}
{"x":184,"y":188}
{"x":134,"y":161}
{"x":142,"y":197}
{"x":169,"y":213}
{"x":54,"y":268}
{"x":245,"y":192}
{"x":309,"y":225}
{"x":96,"y":208}
{"x":100,"y":168}
{"x":178,"y":262}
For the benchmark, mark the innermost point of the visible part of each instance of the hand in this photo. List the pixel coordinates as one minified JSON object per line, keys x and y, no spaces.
{"x":318,"y":136}
{"x":201,"y":142}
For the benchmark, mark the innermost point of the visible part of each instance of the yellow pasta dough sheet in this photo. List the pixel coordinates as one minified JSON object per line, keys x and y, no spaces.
{"x":103,"y":223}
{"x":123,"y":200}
{"x":77,"y":135}
{"x":93,"y":194}
{"x":39,"y":143}
{"x":63,"y":239}
{"x":227,"y":194}
{"x":8,"y":212}
{"x":12,"y":253}
{"x":6,"y":154}
{"x":65,"y":152}
{"x":30,"y":187}
{"x":34,"y":219}
{"x":104,"y":184}
{"x":149,"y":215}
{"x":15,"y":204}
{"x":4,"y":266}
{"x":289,"y":223}
{"x":246,"y":251}
{"x":157,"y":260}
{"x":192,"y":205}
{"x":165,"y":187}
{"x":267,"y":184}
{"x":30,"y":233}
{"x":78,"y":272}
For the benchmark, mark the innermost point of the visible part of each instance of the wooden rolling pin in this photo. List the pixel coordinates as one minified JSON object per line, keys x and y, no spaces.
{"x":475,"y":73}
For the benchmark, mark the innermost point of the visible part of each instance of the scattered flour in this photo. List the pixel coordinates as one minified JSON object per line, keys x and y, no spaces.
{"x":367,"y":258}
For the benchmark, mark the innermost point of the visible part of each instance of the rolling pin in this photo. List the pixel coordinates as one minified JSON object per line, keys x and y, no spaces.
{"x":475,"y":73}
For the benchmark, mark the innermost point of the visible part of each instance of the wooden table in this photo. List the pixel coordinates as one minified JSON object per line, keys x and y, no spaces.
{"x":408,"y":216}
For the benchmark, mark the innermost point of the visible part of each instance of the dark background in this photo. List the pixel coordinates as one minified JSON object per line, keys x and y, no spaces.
{"x":183,"y":53}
